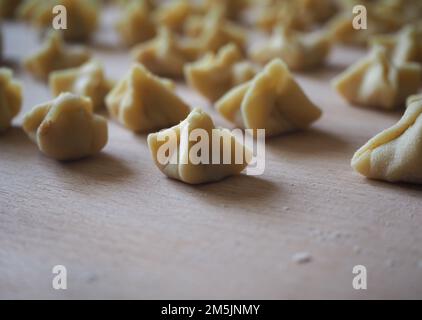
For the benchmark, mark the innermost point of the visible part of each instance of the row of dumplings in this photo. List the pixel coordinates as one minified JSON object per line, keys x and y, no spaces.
{"x":244,"y":92}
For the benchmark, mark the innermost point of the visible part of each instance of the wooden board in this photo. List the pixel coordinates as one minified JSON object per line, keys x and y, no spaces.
{"x":123,"y":230}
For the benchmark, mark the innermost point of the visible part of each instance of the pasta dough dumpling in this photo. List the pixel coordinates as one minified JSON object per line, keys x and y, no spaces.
{"x":215,"y":74}
{"x":300,"y":51}
{"x":87,"y":80}
{"x":66,"y":128}
{"x":183,"y":168}
{"x":376,"y":82}
{"x":55,"y":55}
{"x":163,"y":55}
{"x":10,"y":98}
{"x":143,"y":102}
{"x":395,"y":155}
{"x":136,"y":25}
{"x":404,"y":46}
{"x":272,"y":100}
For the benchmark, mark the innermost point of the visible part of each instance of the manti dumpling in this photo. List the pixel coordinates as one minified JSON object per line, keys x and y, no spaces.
{"x":173,"y":14}
{"x":87,"y":80}
{"x":215,"y":74}
{"x":395,"y":155}
{"x":272,"y":101}
{"x":10,"y":98}
{"x":404,"y":46}
{"x":374,"y":81}
{"x":55,"y":55}
{"x":181,"y":167}
{"x":66,"y":128}
{"x":143,"y":102}
{"x":82,"y":16}
{"x":136,"y":24}
{"x":164,"y":55}
{"x":300,"y":51}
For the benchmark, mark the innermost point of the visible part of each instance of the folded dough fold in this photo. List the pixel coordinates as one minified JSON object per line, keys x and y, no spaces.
{"x":395,"y":154}
{"x":272,"y":100}
{"x":143,"y":102}
{"x":183,"y":168}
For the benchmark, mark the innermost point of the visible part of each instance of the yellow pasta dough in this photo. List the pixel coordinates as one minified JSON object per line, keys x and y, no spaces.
{"x":87,"y":80}
{"x":66,"y":128}
{"x":184,"y":169}
{"x":395,"y":155}
{"x":55,"y":55}
{"x":300,"y":51}
{"x":376,"y":82}
{"x":82,"y":16}
{"x":272,"y":100}
{"x":215,"y":74}
{"x":10,"y":98}
{"x":143,"y":102}
{"x":136,"y":24}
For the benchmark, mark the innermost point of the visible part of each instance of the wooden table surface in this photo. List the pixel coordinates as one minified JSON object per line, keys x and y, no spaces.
{"x":123,"y":230}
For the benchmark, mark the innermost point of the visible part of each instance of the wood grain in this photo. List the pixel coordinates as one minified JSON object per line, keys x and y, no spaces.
{"x":123,"y":230}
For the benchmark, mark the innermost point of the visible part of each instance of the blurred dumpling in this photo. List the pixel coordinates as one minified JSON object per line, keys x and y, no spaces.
{"x":214,"y":74}
{"x":300,"y":51}
{"x":136,"y":25}
{"x":395,"y":155}
{"x":403,"y":46}
{"x":10,"y":98}
{"x":55,"y":55}
{"x":374,"y":81}
{"x":87,"y":80}
{"x":272,"y":101}
{"x":179,"y":165}
{"x":143,"y":102}
{"x":164,"y":55}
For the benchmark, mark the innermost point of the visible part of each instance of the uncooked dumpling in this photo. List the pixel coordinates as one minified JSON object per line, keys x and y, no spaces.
{"x":396,"y":153}
{"x":215,"y":74}
{"x":82,"y":16}
{"x":164,"y":55}
{"x":10,"y":98}
{"x":376,"y":82}
{"x":88,"y":80}
{"x":404,"y":46}
{"x":272,"y":101}
{"x":136,"y":25}
{"x":300,"y":51}
{"x":182,"y":168}
{"x":55,"y":55}
{"x":143,"y":102}
{"x":66,"y":128}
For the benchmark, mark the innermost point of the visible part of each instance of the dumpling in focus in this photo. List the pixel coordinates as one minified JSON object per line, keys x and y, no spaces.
{"x":179,"y":165}
{"x":215,"y":74}
{"x":272,"y":101}
{"x":55,"y":55}
{"x":66,"y":128}
{"x":143,"y":102}
{"x":395,"y":155}
{"x":376,"y":82}
{"x":300,"y":51}
{"x":88,"y":80}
